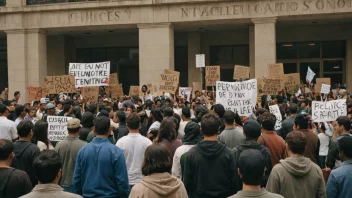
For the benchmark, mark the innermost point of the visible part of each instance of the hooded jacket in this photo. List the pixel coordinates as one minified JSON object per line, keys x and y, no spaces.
{"x":159,"y":185}
{"x":297,"y":177}
{"x":209,"y":170}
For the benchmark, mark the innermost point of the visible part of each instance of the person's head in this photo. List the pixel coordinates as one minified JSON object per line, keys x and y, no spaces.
{"x":20,"y":111}
{"x":345,"y":148}
{"x":73,"y":126}
{"x":59,"y":105}
{"x":87,"y":120}
{"x":296,"y":143}
{"x":144,"y":88}
{"x":168,"y":112}
{"x":50,"y":109}
{"x":47,"y":167}
{"x":93,"y":108}
{"x":199,"y":112}
{"x":168,"y":101}
{"x":32,"y":111}
{"x":167,"y":130}
{"x":156,"y":114}
{"x":229,"y":117}
{"x":6,"y":151}
{"x":192,"y":133}
{"x":156,"y":160}
{"x":40,"y":132}
{"x":302,"y":121}
{"x":219,"y":109}
{"x":102,"y":125}
{"x":77,"y":112}
{"x":197,"y":93}
{"x":4,"y":111}
{"x":42,"y":103}
{"x":17,"y":95}
{"x":133,"y":122}
{"x":210,"y":124}
{"x":120,"y":117}
{"x":304,"y":103}
{"x":186,"y":113}
{"x":268,"y":121}
{"x":252,"y":130}
{"x":67,"y":108}
{"x":343,"y":124}
{"x":293,"y":108}
{"x":25,"y":129}
{"x":251,"y":167}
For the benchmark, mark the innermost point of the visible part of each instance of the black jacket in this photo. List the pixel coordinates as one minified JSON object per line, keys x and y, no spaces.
{"x":333,"y":157}
{"x":121,"y":131}
{"x":209,"y":171}
{"x":236,"y":152}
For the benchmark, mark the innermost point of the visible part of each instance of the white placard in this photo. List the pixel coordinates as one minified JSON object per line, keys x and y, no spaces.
{"x":182,"y":91}
{"x":310,"y":75}
{"x":325,"y":89}
{"x":200,"y":60}
{"x":148,"y":112}
{"x":328,"y":111}
{"x":240,"y":97}
{"x":188,"y":94}
{"x":274,"y":109}
{"x":90,"y":74}
{"x":57,"y":127}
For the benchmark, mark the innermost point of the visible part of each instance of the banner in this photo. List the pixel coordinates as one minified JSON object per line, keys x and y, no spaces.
{"x":274,"y":109}
{"x":196,"y":86}
{"x":212,"y":74}
{"x":275,"y":70}
{"x":168,"y":83}
{"x":291,"y":82}
{"x":240,"y":97}
{"x":241,"y":72}
{"x":269,"y":86}
{"x":90,"y":74}
{"x":200,"y":60}
{"x":319,"y":82}
{"x":36,"y":93}
{"x":310,"y":75}
{"x":91,"y":93}
{"x":57,"y":127}
{"x":113,"y":79}
{"x":325,"y":89}
{"x":328,"y":111}
{"x":60,"y":84}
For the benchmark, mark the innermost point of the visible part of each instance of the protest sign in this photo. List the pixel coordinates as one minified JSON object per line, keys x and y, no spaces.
{"x":319,"y":82}
{"x":113,"y":79}
{"x":275,"y":71}
{"x":212,"y":74}
{"x":169,"y":83}
{"x":328,"y":111}
{"x":57,"y":127}
{"x":134,"y":91}
{"x":167,"y":71}
{"x":60,"y":84}
{"x":155,"y":88}
{"x":116,"y":91}
{"x":241,"y":72}
{"x":182,"y":91}
{"x":240,"y":97}
{"x":325,"y":89}
{"x":291,"y":82}
{"x":196,"y":86}
{"x":310,"y":75}
{"x":91,"y":93}
{"x":200,"y":60}
{"x":269,"y":86}
{"x":274,"y":109}
{"x":90,"y":74}
{"x":36,"y":93}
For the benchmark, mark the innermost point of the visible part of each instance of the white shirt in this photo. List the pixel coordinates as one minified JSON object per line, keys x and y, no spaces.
{"x":155,"y":125}
{"x":42,"y":146}
{"x":39,"y":114}
{"x":18,"y":120}
{"x":133,"y":146}
{"x":181,"y":129}
{"x":8,"y":129}
{"x":176,"y":165}
{"x":324,"y":144}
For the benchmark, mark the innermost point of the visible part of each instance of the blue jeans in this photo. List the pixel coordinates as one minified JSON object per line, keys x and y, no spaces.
{"x":70,"y":189}
{"x":322,"y":161}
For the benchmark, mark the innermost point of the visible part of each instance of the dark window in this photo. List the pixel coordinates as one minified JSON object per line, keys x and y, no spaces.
{"x":333,"y":65}
{"x":314,"y":66}
{"x":290,"y":68}
{"x":286,"y":51}
{"x":221,"y":55}
{"x":181,"y":64}
{"x":308,"y":50}
{"x":334,"y":49}
{"x":335,"y":78}
{"x":3,"y":65}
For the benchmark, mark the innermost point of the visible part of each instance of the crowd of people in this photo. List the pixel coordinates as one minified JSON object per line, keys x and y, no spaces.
{"x":171,"y":147}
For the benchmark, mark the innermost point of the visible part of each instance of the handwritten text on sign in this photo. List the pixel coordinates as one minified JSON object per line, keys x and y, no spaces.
{"x":90,"y":74}
{"x":292,"y":82}
{"x":328,"y":111}
{"x":91,"y":93}
{"x":168,"y":83}
{"x":241,"y":72}
{"x":274,"y":109}
{"x":60,"y":84}
{"x":57,"y":127}
{"x":240,"y":97}
{"x":270,"y":86}
{"x":212,"y":74}
{"x":36,"y":93}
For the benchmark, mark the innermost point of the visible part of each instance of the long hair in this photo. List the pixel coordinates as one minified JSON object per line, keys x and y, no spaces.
{"x":156,"y":160}
{"x":40,"y":132}
{"x":167,"y":130}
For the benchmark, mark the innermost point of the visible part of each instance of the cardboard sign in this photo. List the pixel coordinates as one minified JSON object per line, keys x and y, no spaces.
{"x":240,"y":97}
{"x":325,"y":89}
{"x":274,"y":109}
{"x":310,"y":75}
{"x":212,"y":74}
{"x":113,"y":79}
{"x":196,"y":86}
{"x":291,"y":82}
{"x":155,"y":90}
{"x":269,"y":86}
{"x":90,"y":74}
{"x":115,"y":91}
{"x":36,"y":93}
{"x":328,"y":111}
{"x":134,"y":91}
{"x":57,"y":127}
{"x":91,"y":93}
{"x":319,"y":82}
{"x":241,"y":72}
{"x":169,"y":83}
{"x":60,"y":84}
{"x":200,"y":60}
{"x":276,"y":70}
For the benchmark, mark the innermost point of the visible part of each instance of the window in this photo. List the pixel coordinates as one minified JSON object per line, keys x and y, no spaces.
{"x":334,"y":49}
{"x":181,"y":64}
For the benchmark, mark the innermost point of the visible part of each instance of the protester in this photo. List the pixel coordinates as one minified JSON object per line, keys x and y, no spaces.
{"x":287,"y":124}
{"x":133,"y":146}
{"x":17,"y":95}
{"x":8,"y":128}
{"x":20,"y":113}
{"x":231,"y":136}
{"x":122,"y":130}
{"x":31,"y":111}
{"x":186,"y":118}
{"x":288,"y":176}
{"x":158,"y":183}
{"x":14,"y":183}
{"x":155,"y":118}
{"x":40,"y":111}
{"x":68,"y":150}
{"x":100,"y":169}
{"x":49,"y":111}
{"x":87,"y":125}
{"x":324,"y":140}
{"x":201,"y":161}
{"x":167,"y":136}
{"x":47,"y":166}
{"x":40,"y":136}
{"x":340,"y":178}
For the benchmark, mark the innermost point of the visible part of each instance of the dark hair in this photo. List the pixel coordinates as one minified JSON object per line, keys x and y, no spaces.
{"x":133,"y":121}
{"x":40,"y":132}
{"x":157,"y":114}
{"x":210,"y":124}
{"x":121,"y":116}
{"x":46,"y":166}
{"x":19,"y":109}
{"x":199,"y":112}
{"x":229,"y":117}
{"x":3,"y":108}
{"x":67,"y":107}
{"x":87,"y":119}
{"x":186,"y":112}
{"x":6,"y":148}
{"x":31,"y":109}
{"x":24,"y":128}
{"x":167,"y":130}
{"x":238,"y":120}
{"x":260,"y":112}
{"x":251,"y":171}
{"x":219,"y":109}
{"x":76,"y":110}
{"x":168,"y":112}
{"x":144,"y":86}
{"x":156,"y":160}
{"x":268,"y":121}
{"x":16,"y":93}
{"x":148,"y":104}
{"x":103,"y":113}
{"x":102,"y":125}
{"x":297,"y":142}
{"x":252,"y":130}
{"x":303,"y":121}
{"x":345,"y":122}
{"x":345,"y":146}
{"x":176,"y":118}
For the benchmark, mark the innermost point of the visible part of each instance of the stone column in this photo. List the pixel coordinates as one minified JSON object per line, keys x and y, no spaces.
{"x":156,"y":51}
{"x":264,"y":44}
{"x":194,"y":74}
{"x":251,"y":51}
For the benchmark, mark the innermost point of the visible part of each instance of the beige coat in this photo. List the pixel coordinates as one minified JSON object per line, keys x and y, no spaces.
{"x":159,"y":185}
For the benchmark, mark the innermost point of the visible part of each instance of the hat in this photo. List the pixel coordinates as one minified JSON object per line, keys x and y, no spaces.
{"x":107,"y":100}
{"x":251,"y":160}
{"x":74,"y":123}
{"x":49,"y":106}
{"x":43,"y":101}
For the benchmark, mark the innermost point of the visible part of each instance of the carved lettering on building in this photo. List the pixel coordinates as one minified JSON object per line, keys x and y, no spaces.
{"x":100,"y":16}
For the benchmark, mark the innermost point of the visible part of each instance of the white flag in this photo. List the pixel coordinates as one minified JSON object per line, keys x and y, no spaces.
{"x":310,"y":75}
